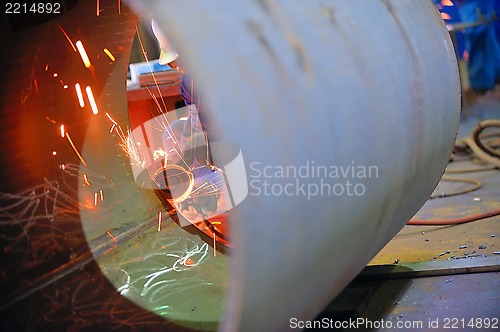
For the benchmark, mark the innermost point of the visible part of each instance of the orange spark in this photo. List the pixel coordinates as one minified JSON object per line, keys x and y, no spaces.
{"x":35,"y":82}
{"x":159,"y":221}
{"x":63,"y":167}
{"x":153,"y":76}
{"x":445,"y":16}
{"x":80,"y":95}
{"x":97,"y":8}
{"x":447,"y":3}
{"x":67,"y":37}
{"x":111,"y":236}
{"x":95,"y":199}
{"x":76,"y":151}
{"x":101,"y":194}
{"x":49,"y":119}
{"x":215,"y":252}
{"x":65,"y":86}
{"x":54,"y":153}
{"x":111,"y":119}
{"x":119,"y":7}
{"x":86,"y":179}
{"x":62,"y":131}
{"x":93,"y":104}
{"x":55,"y":75}
{"x":83,"y":54}
{"x":46,"y":67}
{"x":109,"y":54}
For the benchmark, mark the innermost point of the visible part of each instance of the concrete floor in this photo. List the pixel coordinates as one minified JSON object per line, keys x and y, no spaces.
{"x":428,"y":276}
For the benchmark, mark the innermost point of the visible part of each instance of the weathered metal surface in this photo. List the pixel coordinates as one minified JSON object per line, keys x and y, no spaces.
{"x":370,"y":83}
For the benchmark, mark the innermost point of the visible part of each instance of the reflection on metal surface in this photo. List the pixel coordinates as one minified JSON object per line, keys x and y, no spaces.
{"x":171,"y":154}
{"x":78,"y":203}
{"x":160,"y":260}
{"x":168,"y":271}
{"x":177,"y":182}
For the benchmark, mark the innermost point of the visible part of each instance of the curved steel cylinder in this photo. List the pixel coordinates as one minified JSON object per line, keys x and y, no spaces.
{"x":318,"y":83}
{"x":344,"y":113}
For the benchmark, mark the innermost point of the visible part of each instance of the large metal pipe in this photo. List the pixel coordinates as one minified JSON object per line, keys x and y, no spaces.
{"x":342,"y":86}
{"x":334,"y":83}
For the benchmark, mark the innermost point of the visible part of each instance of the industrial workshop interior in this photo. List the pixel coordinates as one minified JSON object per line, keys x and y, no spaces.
{"x":250,"y":165}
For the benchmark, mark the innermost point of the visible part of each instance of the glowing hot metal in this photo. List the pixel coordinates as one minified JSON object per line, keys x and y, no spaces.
{"x":83,"y":54}
{"x":80,"y":95}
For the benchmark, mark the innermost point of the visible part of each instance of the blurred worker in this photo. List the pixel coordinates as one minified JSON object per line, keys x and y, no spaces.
{"x":186,"y":143}
{"x":483,"y":43}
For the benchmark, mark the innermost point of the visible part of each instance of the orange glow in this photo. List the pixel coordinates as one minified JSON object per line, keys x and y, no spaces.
{"x":111,"y":236}
{"x":80,"y":95}
{"x":447,"y":3}
{"x":93,"y":104}
{"x":83,"y":54}
{"x":69,"y":40}
{"x":62,"y":131}
{"x":109,"y":54}
{"x":445,"y":16}
{"x":76,"y":151}
{"x":159,"y":221}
